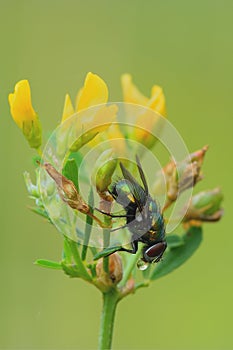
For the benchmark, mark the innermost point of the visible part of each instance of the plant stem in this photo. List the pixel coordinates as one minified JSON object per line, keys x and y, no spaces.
{"x":78,"y":260}
{"x":88,"y":227}
{"x":106,"y":207}
{"x":110,"y":300}
{"x":132,"y":260}
{"x":106,"y":234}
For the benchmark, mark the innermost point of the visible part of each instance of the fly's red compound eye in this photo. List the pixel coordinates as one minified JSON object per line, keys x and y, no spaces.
{"x":155,"y":252}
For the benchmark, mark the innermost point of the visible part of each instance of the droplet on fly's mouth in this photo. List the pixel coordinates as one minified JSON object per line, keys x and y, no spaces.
{"x":142,"y":265}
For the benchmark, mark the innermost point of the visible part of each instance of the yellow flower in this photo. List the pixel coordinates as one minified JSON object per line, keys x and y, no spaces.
{"x":23,"y":113}
{"x":99,"y":122}
{"x":94,"y":92}
{"x":146,"y":121}
{"x":131,"y":94}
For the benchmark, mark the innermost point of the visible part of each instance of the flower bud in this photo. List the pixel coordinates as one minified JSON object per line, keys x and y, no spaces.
{"x":198,"y":156}
{"x":103,"y":171}
{"x":180,"y":176}
{"x":24,"y":115}
{"x":67,"y":190}
{"x":205,"y":206}
{"x":114,"y":276}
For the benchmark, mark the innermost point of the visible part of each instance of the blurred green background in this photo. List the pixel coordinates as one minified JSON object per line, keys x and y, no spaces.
{"x":184,"y":46}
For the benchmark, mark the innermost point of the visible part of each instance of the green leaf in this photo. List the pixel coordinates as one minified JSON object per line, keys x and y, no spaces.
{"x":106,"y":252}
{"x":174,"y":241}
{"x":66,"y":254}
{"x":40,"y":211}
{"x":36,"y":160}
{"x":83,"y":175}
{"x":177,"y":256}
{"x":70,"y":171}
{"x":70,"y":270}
{"x":92,"y":269}
{"x":81,"y":269}
{"x":88,"y":227}
{"x":31,"y":188}
{"x":48,"y":264}
{"x":83,"y":140}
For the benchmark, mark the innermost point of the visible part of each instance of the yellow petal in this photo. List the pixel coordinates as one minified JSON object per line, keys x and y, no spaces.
{"x":68,"y":109}
{"x":116,"y":139}
{"x":104,"y":117}
{"x":157,"y":100}
{"x":130,"y":92}
{"x":94,"y":92}
{"x":78,"y":98}
{"x":20,"y":104}
{"x":99,"y":122}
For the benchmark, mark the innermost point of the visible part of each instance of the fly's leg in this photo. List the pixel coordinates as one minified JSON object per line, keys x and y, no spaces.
{"x":133,"y":250}
{"x":111,"y":215}
{"x":109,"y":251}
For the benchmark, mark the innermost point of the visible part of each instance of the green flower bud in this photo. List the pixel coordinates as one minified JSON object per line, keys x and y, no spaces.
{"x":205,"y":206}
{"x":104,"y":169}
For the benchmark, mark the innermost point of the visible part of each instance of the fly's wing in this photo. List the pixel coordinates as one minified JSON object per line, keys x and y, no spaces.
{"x":138,"y":193}
{"x":142,"y":175}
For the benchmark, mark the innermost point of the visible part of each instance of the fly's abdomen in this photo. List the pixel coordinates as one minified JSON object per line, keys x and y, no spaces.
{"x":159,"y":228}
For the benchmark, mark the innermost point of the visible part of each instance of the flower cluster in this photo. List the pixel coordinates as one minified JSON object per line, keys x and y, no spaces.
{"x":105,"y":268}
{"x":114,"y":272}
{"x":94,"y":92}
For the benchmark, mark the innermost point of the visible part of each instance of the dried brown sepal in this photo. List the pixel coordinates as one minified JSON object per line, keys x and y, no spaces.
{"x":105,"y":204}
{"x":179,"y":177}
{"x":67,"y":190}
{"x":190,"y":176}
{"x":199,"y":155}
{"x":69,"y":193}
{"x":128,"y":288}
{"x":105,"y":196}
{"x":113,"y":276}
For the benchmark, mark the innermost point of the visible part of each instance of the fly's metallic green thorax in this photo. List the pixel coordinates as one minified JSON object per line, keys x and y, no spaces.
{"x":143,"y":216}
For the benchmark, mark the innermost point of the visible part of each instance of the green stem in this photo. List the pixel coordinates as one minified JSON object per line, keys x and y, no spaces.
{"x":106,"y":239}
{"x":81,"y":268}
{"x":88,"y":227}
{"x":132,"y":260}
{"x":110,"y":300}
{"x":141,"y":285}
{"x":106,"y":234}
